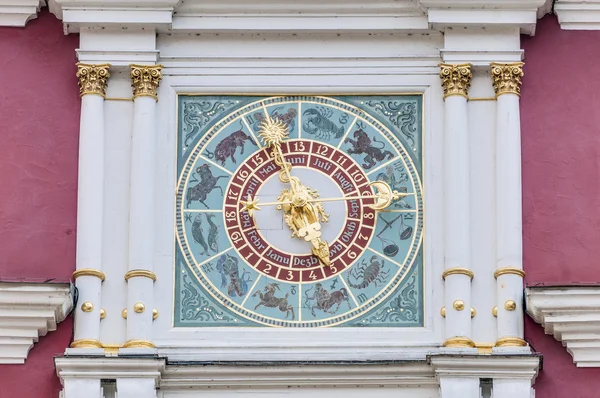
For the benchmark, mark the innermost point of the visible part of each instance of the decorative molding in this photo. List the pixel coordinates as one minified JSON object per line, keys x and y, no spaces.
{"x":18,"y":12}
{"x":28,"y":311}
{"x":509,"y":270}
{"x":92,"y":79}
{"x":89,"y":271}
{"x":578,"y":14}
{"x":457,"y":271}
{"x":283,"y":375}
{"x":144,"y":273}
{"x":572,"y":315}
{"x":507,"y":80}
{"x":456,"y":80}
{"x":145,"y":81}
{"x":97,"y":367}
{"x":496,"y":366}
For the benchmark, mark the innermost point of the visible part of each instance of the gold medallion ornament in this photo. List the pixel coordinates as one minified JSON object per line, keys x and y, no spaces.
{"x":507,"y":78}
{"x":145,"y":80}
{"x":92,"y":79}
{"x":456,"y":79}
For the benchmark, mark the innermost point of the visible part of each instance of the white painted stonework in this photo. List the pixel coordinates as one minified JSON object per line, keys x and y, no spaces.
{"x":27,"y":312}
{"x":571,"y":315}
{"x":311,"y":47}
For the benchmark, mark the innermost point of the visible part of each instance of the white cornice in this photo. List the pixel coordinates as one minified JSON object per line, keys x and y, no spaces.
{"x":578,"y":14}
{"x":18,"y":12}
{"x":486,"y":366}
{"x":28,"y":311}
{"x":571,"y":315}
{"x":98,"y":367}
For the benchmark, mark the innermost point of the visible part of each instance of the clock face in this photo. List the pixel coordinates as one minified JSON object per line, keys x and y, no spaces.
{"x":241,"y":268}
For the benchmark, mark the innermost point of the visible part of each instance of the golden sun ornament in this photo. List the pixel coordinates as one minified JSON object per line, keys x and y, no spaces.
{"x":272,"y":132}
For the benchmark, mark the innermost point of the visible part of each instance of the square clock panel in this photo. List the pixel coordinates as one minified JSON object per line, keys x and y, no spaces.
{"x":299,"y":211}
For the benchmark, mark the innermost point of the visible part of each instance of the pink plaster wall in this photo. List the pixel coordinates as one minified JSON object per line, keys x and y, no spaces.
{"x":39,"y":116}
{"x":560,"y":113}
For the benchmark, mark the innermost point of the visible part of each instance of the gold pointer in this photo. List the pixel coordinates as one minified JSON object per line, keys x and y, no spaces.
{"x":384,"y":197}
{"x":302,"y":217}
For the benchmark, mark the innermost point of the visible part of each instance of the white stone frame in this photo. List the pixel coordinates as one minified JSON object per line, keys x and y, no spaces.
{"x":300,"y":344}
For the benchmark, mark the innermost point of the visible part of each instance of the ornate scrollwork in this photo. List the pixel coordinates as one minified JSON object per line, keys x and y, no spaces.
{"x":145,"y":80}
{"x":92,"y":78}
{"x":507,"y":78}
{"x":456,"y":79}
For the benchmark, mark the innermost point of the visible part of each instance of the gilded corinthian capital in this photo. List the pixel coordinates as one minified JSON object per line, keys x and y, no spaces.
{"x":507,"y":78}
{"x":145,"y":80}
{"x":92,"y":78}
{"x":456,"y":79}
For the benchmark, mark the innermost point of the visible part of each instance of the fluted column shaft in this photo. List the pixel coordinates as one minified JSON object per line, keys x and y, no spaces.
{"x":88,"y":275}
{"x":140,"y":277}
{"x":456,"y":80}
{"x":509,"y":249}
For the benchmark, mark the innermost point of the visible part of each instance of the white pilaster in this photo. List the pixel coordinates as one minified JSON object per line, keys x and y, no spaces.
{"x":88,"y":276}
{"x":459,"y":387}
{"x":140,"y":276}
{"x":512,"y":388}
{"x":509,"y":249}
{"x":136,"y":388}
{"x":82,"y":388}
{"x":456,"y":81}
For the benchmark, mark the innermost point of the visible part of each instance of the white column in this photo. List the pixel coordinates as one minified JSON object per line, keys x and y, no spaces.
{"x":512,"y":388}
{"x":509,"y":249}
{"x":136,"y":388}
{"x":459,"y":387}
{"x":456,"y":80}
{"x":88,"y":275}
{"x":140,"y":277}
{"x":82,"y":388}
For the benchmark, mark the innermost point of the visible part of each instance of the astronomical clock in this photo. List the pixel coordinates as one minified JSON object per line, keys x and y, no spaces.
{"x":299,"y":211}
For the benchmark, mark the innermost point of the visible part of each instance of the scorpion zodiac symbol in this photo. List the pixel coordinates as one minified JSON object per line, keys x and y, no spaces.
{"x":370,"y":273}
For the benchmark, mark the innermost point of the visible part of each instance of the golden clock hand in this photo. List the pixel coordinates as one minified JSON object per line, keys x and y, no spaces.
{"x":383,"y":195}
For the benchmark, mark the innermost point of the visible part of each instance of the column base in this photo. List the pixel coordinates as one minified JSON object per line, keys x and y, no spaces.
{"x":138,"y":344}
{"x":456,"y":342}
{"x":510,"y":342}
{"x":86,"y":343}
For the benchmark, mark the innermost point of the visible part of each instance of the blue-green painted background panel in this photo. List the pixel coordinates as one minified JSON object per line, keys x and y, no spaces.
{"x":352,"y":123}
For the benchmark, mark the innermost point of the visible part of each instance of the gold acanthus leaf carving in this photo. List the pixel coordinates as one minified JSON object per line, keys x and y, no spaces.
{"x":92,"y":78}
{"x":456,"y":79}
{"x":507,"y":78}
{"x":145,"y":80}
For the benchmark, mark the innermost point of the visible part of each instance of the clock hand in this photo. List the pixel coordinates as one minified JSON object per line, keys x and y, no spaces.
{"x":301,"y":216}
{"x":385,"y":197}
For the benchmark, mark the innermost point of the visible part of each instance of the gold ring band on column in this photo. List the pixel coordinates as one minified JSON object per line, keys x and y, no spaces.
{"x":144,"y":273}
{"x":509,"y":271}
{"x":458,"y":271}
{"x":138,"y":344}
{"x":455,"y":342}
{"x":510,"y":342}
{"x":89,"y":272}
{"x":86,"y":343}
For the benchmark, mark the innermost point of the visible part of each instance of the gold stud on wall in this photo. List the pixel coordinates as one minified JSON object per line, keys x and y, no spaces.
{"x":124,"y":313}
{"x":87,"y":307}
{"x":102,"y":313}
{"x":495,"y":311}
{"x":458,"y":305}
{"x":510,"y":305}
{"x":139,"y":307}
{"x":154,"y":314}
{"x":473,"y":312}
{"x":443,"y":312}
